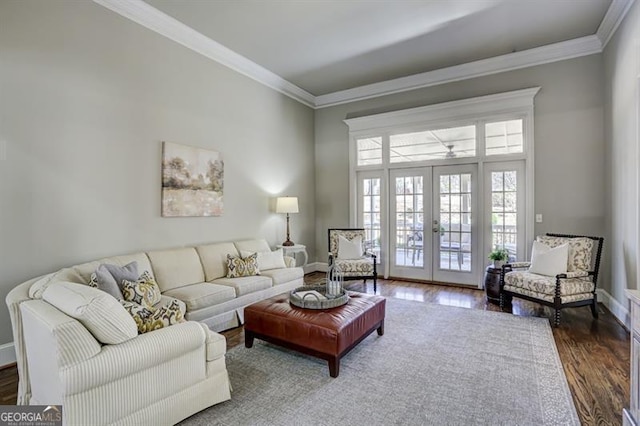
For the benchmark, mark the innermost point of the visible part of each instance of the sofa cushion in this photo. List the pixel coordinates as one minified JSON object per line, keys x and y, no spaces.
{"x":267,"y":259}
{"x":110,"y":277}
{"x":201,"y":295}
{"x":214,"y":259}
{"x":98,"y":311}
{"x":282,"y":276}
{"x":252,"y":246}
{"x":245,"y":285}
{"x":176,"y":268}
{"x":242,"y":266}
{"x":81,"y":273}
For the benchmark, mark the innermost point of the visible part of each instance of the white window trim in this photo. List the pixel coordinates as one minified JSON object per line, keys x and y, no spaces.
{"x":501,"y":106}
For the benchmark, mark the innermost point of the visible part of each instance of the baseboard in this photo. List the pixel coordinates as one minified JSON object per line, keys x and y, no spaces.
{"x":7,"y":354}
{"x":315,"y":267}
{"x":322,"y":266}
{"x":617,"y":309}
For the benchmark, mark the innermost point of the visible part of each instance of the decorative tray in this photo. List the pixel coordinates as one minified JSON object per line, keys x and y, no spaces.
{"x":316,"y":297}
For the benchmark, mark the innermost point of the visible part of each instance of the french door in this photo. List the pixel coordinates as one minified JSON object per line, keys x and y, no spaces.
{"x":433,"y":224}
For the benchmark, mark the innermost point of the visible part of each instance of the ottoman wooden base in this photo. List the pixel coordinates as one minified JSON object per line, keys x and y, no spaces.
{"x":327,"y":334}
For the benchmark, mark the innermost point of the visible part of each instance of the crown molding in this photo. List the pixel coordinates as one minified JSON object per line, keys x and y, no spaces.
{"x":614,"y":16}
{"x":472,"y":107}
{"x":146,"y":15}
{"x":582,"y":46}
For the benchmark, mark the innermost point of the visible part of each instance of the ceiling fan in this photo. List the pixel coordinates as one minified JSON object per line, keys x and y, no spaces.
{"x":450,"y":153}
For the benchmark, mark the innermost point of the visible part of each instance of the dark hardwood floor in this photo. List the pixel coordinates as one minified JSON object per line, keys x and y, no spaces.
{"x":594,"y":353}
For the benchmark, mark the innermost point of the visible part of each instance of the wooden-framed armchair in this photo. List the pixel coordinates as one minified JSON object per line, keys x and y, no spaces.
{"x":347,"y":250}
{"x":575,"y":288}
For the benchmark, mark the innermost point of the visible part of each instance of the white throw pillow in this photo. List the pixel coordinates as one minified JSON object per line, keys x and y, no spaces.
{"x":349,"y":249}
{"x":549,"y":261}
{"x":267,"y":259}
{"x":97,"y":310}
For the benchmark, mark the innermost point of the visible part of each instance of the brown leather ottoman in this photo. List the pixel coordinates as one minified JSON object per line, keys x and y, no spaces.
{"x":328,"y":334}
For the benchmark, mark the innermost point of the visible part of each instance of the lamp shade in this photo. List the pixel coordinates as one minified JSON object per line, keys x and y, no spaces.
{"x":287,"y":205}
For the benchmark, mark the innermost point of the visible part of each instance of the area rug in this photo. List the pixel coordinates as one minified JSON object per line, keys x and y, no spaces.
{"x":435,"y":365}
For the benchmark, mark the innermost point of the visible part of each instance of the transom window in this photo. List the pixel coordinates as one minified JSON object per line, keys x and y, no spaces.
{"x":433,"y":144}
{"x":504,"y":137}
{"x":369,"y":151}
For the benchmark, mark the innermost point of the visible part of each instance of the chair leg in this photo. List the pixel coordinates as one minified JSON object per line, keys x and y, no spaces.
{"x":594,"y":308}
{"x":556,"y":321}
{"x":375,"y":287}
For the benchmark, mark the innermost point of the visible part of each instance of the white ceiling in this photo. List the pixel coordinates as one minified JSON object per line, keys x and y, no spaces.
{"x":326,"y":46}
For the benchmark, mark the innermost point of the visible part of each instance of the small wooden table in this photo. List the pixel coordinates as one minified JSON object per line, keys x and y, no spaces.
{"x":492,"y":284}
{"x":328,"y":334}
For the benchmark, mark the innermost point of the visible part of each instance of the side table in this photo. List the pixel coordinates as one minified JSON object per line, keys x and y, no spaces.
{"x":296,"y":248}
{"x":492,"y":284}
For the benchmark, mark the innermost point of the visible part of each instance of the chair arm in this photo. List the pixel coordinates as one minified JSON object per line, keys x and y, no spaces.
{"x":575,"y":274}
{"x":516,"y":265}
{"x":146,"y":351}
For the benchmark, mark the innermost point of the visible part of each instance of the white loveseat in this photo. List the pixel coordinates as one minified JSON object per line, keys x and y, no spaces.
{"x":156,"y":378}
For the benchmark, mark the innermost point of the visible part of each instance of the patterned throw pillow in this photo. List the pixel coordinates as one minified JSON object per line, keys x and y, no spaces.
{"x":148,"y":319}
{"x":140,"y":314}
{"x":242,"y":267}
{"x":144,"y":292}
{"x":93,"y":281}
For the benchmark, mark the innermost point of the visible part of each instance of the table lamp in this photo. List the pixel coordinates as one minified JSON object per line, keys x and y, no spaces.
{"x":287,"y":205}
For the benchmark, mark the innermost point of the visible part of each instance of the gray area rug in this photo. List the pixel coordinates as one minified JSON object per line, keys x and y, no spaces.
{"x":435,"y":365}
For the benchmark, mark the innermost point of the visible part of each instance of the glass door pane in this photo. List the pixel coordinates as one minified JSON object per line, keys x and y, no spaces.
{"x":370,"y":214}
{"x":505,"y":206}
{"x":408,"y":239}
{"x":455,"y":249}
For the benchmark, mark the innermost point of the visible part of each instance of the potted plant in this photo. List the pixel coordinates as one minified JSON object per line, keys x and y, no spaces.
{"x":499,"y":257}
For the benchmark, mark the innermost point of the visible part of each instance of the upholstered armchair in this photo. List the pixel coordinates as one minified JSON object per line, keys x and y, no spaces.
{"x":574,"y":286}
{"x":347,"y":250}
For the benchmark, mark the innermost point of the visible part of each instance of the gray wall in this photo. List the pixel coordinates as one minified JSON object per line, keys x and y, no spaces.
{"x":622,"y":128}
{"x":569,"y":143}
{"x":86,"y":97}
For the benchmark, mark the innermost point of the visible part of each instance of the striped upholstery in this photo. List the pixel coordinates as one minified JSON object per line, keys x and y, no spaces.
{"x":161,"y":377}
{"x":117,"y":362}
{"x":74,"y":343}
{"x":98,"y":311}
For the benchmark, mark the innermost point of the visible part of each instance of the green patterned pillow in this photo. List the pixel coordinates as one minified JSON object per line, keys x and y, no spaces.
{"x":242,"y":267}
{"x":144,"y":292}
{"x":149,"y":319}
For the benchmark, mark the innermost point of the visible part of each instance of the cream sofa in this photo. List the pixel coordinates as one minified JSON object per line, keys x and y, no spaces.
{"x":158,"y":378}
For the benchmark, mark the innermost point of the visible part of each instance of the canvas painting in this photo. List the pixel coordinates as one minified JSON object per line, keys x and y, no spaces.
{"x":192,"y":181}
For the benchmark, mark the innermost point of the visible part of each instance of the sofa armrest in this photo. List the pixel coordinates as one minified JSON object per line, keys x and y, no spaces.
{"x":289,"y":262}
{"x":216,"y":343}
{"x":47,"y":327}
{"x":145,"y":351}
